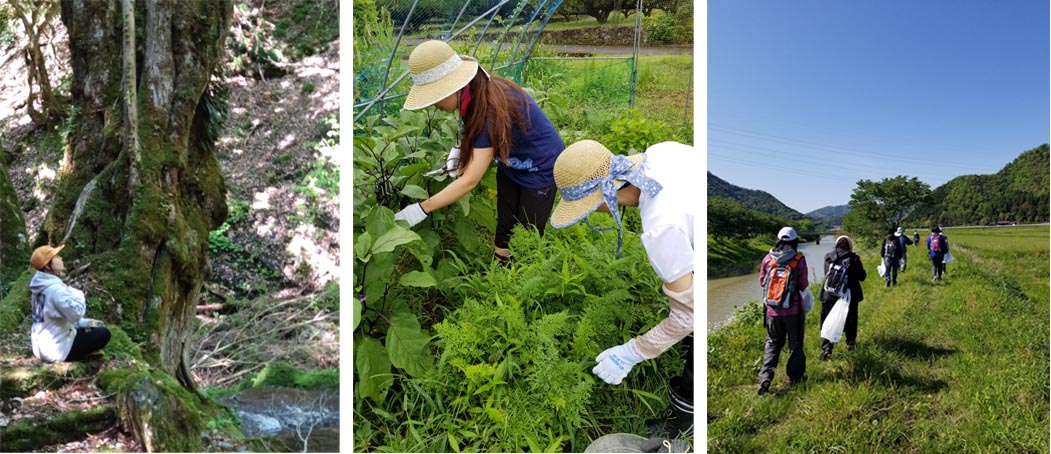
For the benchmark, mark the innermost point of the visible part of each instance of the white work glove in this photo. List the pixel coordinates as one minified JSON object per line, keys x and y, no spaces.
{"x":452,"y":165}
{"x":413,"y":214}
{"x":615,"y":363}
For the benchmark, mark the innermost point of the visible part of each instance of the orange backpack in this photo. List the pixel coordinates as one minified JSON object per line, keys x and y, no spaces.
{"x":781,"y":283}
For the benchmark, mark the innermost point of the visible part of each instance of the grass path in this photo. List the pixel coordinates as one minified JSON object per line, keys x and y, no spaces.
{"x":959,"y":365}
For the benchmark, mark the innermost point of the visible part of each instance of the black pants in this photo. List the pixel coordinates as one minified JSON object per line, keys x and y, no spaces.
{"x":777,"y":329}
{"x":517,"y":204}
{"x":850,"y":331}
{"x":937,"y":267}
{"x":88,"y":340}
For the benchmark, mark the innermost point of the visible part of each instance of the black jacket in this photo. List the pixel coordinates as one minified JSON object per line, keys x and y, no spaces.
{"x":855,"y":273}
{"x":899,"y":251}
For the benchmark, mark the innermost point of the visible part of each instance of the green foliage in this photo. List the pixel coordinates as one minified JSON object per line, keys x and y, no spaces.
{"x":669,"y":29}
{"x":751,"y":198}
{"x":924,"y":376}
{"x":218,"y":240}
{"x":453,"y":353}
{"x":1018,"y":193}
{"x":729,"y":219}
{"x":632,"y":133}
{"x":876,"y":207}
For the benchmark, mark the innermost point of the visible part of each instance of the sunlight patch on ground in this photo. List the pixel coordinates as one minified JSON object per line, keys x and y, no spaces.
{"x":286,"y":141}
{"x":261,"y":200}
{"x":302,"y":246}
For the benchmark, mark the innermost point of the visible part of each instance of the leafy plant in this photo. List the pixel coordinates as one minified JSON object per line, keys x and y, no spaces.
{"x":634,"y":132}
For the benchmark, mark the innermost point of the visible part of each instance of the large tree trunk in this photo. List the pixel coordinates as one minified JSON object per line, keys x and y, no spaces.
{"x":139,"y":211}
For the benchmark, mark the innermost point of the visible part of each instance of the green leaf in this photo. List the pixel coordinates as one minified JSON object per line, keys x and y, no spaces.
{"x":408,"y":344}
{"x":372,"y":367}
{"x":362,"y":246}
{"x":417,"y":279}
{"x":465,"y":204}
{"x":453,"y":443}
{"x":356,"y":320}
{"x":393,"y":238}
{"x":415,"y":192}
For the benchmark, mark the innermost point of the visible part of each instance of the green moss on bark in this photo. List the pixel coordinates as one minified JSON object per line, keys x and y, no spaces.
{"x":14,"y":308}
{"x":32,"y":435}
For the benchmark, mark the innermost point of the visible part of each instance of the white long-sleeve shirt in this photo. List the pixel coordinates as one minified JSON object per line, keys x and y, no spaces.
{"x":667,"y":236}
{"x":56,"y":309}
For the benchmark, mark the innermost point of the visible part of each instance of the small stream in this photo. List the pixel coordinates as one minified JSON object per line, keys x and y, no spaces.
{"x":726,"y":294}
{"x":290,"y":414}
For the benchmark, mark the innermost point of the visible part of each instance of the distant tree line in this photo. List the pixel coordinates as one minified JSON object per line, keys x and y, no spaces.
{"x":1017,"y":193}
{"x":729,"y":219}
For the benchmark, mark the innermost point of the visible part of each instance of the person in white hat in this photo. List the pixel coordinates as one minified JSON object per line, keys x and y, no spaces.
{"x":60,"y":332}
{"x":783,"y":276}
{"x":499,"y":121}
{"x":662,"y":183}
{"x":904,"y":241}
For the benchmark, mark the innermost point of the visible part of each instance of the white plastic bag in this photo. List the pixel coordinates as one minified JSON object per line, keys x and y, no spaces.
{"x":808,"y":300}
{"x":882,"y":268}
{"x":836,"y":320}
{"x":948,"y":257}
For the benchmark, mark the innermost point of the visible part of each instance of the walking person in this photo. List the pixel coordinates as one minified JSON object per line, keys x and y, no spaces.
{"x":661,"y":183}
{"x":501,"y":122}
{"x":60,"y":331}
{"x":853,"y":274}
{"x":783,"y":275}
{"x":891,"y":253}
{"x":916,"y":238}
{"x":938,"y":245}
{"x":904,"y":242}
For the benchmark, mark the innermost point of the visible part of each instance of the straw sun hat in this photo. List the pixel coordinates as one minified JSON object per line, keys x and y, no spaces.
{"x":437,"y":72}
{"x":42,"y":255}
{"x":580,"y":162}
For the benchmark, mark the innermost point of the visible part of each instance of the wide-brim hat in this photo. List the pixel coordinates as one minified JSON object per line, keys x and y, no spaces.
{"x":582,"y":161}
{"x":43,"y":255}
{"x":849,"y":241}
{"x":437,"y":71}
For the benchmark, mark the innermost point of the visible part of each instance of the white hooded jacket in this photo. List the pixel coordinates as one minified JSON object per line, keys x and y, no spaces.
{"x":56,"y":309}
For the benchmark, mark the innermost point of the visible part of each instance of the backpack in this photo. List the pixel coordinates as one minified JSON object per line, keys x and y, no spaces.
{"x":836,"y":279}
{"x":890,"y":247}
{"x":936,"y":244}
{"x":780,"y":283}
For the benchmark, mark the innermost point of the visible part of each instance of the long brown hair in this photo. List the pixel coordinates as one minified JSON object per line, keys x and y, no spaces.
{"x":498,"y":103}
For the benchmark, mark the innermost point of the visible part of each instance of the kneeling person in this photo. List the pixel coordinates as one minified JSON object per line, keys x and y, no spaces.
{"x":60,"y":332}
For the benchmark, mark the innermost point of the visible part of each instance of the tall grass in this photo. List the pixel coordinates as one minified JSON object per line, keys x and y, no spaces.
{"x":959,"y":365}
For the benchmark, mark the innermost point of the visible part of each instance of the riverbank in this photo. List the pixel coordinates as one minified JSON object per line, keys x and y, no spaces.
{"x":951,"y":366}
{"x":732,"y":257}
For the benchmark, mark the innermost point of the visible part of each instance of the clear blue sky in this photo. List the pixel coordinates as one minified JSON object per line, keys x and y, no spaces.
{"x":807,"y":97}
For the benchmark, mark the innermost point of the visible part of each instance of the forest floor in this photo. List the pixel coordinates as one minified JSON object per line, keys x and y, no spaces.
{"x":275,"y":263}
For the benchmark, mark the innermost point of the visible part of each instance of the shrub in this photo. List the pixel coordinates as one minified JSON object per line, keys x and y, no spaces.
{"x":633,"y":132}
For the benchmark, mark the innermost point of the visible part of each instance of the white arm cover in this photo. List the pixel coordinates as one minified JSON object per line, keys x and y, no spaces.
{"x":671,"y":330}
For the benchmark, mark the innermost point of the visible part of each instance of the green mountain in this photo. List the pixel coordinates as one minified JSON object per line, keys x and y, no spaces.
{"x":1020,"y":192}
{"x":830,"y":215}
{"x":751,"y":198}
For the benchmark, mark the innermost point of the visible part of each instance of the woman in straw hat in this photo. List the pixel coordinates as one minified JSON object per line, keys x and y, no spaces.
{"x":499,"y":120}
{"x":843,"y":255}
{"x":60,"y":332}
{"x":662,"y":183}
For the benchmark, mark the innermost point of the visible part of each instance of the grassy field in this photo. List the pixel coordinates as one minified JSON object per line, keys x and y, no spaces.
{"x":959,"y":365}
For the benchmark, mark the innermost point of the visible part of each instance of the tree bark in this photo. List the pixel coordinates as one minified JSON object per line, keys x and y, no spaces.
{"x":14,"y":253}
{"x":157,"y":189}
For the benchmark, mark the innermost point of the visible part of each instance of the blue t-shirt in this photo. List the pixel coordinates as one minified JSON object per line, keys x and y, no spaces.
{"x":533,"y":150}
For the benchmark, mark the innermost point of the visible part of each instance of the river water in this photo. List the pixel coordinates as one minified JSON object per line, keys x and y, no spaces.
{"x":728,"y":293}
{"x":294,"y":415}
